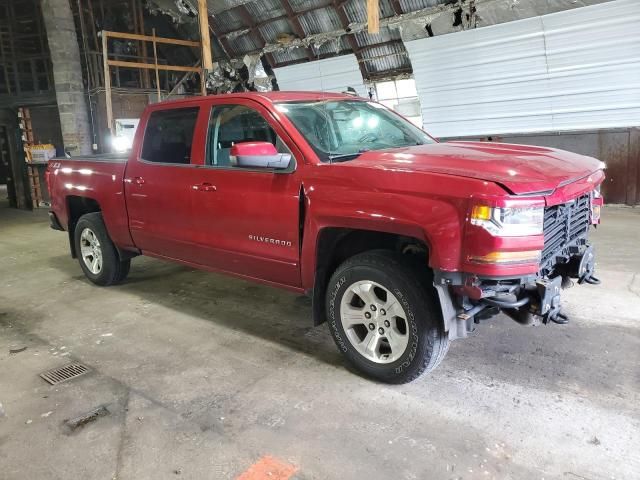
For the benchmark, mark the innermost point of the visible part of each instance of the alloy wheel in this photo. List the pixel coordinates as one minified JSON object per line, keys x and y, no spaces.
{"x":374,"y":321}
{"x":91,"y":251}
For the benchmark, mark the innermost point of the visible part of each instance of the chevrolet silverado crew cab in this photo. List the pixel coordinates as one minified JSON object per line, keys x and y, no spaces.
{"x":403,"y":243}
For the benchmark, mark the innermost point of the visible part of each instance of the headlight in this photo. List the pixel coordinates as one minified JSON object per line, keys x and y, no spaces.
{"x":509,"y":222}
{"x":596,"y":205}
{"x":596,"y":191}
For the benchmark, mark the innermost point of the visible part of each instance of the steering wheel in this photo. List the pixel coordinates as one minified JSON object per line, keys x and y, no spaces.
{"x":368,"y":137}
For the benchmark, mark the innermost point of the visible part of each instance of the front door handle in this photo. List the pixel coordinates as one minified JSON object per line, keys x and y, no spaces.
{"x":138,"y":180}
{"x":204,"y":187}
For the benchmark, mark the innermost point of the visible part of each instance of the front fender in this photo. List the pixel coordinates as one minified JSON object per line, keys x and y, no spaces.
{"x":437,"y":223}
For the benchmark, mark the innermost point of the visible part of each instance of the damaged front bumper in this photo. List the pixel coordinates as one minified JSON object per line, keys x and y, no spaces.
{"x":467,"y":299}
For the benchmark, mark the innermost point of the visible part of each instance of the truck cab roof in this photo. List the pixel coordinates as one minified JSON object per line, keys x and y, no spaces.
{"x":271,"y":97}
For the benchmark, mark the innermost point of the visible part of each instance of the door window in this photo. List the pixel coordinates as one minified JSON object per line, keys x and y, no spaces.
{"x":231,"y":124}
{"x":168,"y":137}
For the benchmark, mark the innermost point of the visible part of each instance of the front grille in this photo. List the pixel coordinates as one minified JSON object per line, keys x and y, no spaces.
{"x":565,"y":227}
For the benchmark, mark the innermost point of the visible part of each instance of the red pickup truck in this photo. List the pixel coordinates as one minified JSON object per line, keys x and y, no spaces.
{"x":403,"y":243}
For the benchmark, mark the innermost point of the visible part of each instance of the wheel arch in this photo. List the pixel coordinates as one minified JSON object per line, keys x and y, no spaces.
{"x":334,"y":245}
{"x":77,"y":206}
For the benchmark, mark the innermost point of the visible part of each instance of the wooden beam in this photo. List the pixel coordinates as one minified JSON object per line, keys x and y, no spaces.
{"x":203,"y":18}
{"x":373,"y":16}
{"x":155,"y":63}
{"x":181,"y":81}
{"x":107,"y":82}
{"x":91,"y":80}
{"x":139,"y":12}
{"x":96,"y":40}
{"x":151,"y":66}
{"x":148,"y":38}
{"x":207,"y":61}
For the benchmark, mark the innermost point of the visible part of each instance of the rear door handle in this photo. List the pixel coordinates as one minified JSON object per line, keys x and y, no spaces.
{"x":204,"y":187}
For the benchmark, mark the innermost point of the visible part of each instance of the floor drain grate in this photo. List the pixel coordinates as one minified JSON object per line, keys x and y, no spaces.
{"x":62,"y":374}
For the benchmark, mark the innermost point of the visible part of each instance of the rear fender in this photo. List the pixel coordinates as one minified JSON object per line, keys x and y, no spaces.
{"x":76,"y":207}
{"x":79,"y":206}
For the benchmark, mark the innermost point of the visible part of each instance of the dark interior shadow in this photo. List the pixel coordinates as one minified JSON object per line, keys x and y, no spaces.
{"x":261,"y":311}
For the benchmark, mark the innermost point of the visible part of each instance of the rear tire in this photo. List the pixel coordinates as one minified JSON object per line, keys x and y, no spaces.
{"x":384,"y":316}
{"x":98,"y":256}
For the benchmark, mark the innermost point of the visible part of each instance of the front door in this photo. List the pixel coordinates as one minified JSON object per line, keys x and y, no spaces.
{"x":248,"y":219}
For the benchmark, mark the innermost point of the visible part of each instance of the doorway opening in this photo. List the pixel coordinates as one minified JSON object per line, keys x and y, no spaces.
{"x":7,"y":185}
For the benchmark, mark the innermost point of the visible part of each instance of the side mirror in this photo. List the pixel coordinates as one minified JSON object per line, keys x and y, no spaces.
{"x":259,"y":155}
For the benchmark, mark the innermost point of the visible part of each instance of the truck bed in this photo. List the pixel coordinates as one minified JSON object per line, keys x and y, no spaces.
{"x":98,"y":177}
{"x":98,"y":157}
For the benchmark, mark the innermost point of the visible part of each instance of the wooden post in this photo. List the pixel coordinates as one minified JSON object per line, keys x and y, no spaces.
{"x":107,"y":80}
{"x":373,"y":16}
{"x":96,"y":42}
{"x":135,"y":29}
{"x":140,"y":14}
{"x":91,"y":81}
{"x":155,"y":62}
{"x":207,"y":61}
{"x":142,"y":65}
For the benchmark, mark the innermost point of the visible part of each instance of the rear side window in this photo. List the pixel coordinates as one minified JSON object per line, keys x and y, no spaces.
{"x":169,"y":135}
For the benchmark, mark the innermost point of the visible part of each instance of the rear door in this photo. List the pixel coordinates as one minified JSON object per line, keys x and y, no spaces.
{"x":159,"y":183}
{"x":248,"y":219}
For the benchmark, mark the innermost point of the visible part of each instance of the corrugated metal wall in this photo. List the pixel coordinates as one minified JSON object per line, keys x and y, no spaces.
{"x":329,"y":75}
{"x":573,"y":70}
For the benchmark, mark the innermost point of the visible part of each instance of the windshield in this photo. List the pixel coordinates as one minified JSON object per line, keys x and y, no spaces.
{"x":340,"y":130}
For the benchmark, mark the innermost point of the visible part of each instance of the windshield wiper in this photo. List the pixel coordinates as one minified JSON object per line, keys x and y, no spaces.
{"x":346,"y":156}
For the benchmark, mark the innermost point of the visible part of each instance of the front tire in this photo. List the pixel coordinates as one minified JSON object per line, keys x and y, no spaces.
{"x":384,"y":316}
{"x":98,"y":256}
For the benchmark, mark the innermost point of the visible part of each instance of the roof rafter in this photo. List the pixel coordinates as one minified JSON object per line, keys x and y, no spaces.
{"x":425,"y":15}
{"x":338,"y":6}
{"x":311,"y":42}
{"x":395,"y":5}
{"x":255,"y":31}
{"x":297,"y":26}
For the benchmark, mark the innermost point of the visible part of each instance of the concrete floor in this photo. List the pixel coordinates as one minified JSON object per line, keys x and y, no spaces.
{"x":204,"y":375}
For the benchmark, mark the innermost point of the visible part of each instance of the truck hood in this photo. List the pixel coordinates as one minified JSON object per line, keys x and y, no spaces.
{"x":521,"y":169}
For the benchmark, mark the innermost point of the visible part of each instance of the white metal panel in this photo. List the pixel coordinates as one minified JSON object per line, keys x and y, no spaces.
{"x":334,"y":74}
{"x":593,"y":58}
{"x":572,"y":70}
{"x":475,"y":82}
